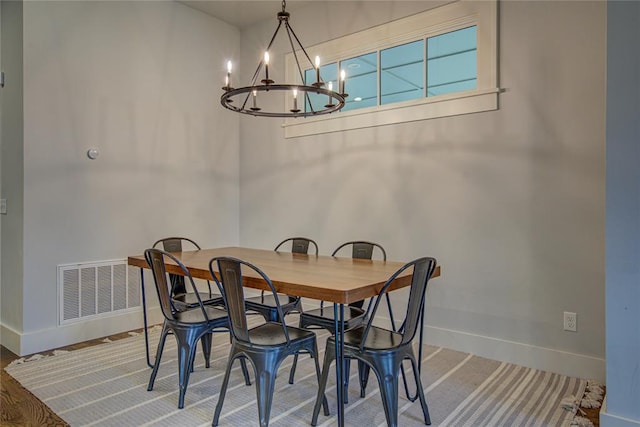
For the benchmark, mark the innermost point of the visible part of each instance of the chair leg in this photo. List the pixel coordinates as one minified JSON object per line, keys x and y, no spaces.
{"x":363,"y":372}
{"x":420,"y":392}
{"x":223,"y":389}
{"x":265,"y":385}
{"x":314,"y":356}
{"x":206,"y":348}
{"x":292,"y":372}
{"x":387,"y":374}
{"x":322,"y":386}
{"x":186,"y":355}
{"x":346,"y":370}
{"x":245,"y":371}
{"x":156,"y":365}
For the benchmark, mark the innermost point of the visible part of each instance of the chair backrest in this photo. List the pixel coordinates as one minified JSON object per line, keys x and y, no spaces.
{"x":156,"y":259}
{"x":423,"y":268}
{"x":230,"y":285}
{"x":175,"y":244}
{"x":361,"y":249}
{"x":299,"y":245}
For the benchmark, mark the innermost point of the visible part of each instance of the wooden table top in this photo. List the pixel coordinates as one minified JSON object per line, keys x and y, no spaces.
{"x":335,"y":279}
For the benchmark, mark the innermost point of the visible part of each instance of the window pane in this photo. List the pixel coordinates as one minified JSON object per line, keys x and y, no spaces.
{"x":401,"y":76}
{"x":452,"y":62}
{"x":328,"y":73}
{"x":361,"y":82}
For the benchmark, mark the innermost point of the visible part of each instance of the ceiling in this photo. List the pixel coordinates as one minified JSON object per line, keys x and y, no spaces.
{"x":242,"y":13}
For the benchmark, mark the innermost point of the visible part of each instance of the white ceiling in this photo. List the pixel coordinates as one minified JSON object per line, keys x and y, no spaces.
{"x":243,"y":13}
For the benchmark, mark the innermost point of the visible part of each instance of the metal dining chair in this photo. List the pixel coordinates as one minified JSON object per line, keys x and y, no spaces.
{"x":354,"y":314}
{"x":265,"y":345}
{"x":384,"y":350}
{"x":188,"y":325}
{"x":181,"y":297}
{"x":265,"y":303}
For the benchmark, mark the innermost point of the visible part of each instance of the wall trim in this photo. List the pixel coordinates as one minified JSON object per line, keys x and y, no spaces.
{"x":9,"y":338}
{"x":546,"y":359}
{"x":24,"y":344}
{"x":566,"y":363}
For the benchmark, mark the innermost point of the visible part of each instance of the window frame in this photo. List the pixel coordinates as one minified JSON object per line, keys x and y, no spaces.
{"x":433,"y":22}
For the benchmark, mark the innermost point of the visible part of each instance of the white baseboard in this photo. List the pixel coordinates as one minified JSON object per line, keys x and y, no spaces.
{"x":572,"y":364}
{"x":610,"y":420}
{"x":9,"y":338}
{"x":46,"y":339}
{"x":546,"y":359}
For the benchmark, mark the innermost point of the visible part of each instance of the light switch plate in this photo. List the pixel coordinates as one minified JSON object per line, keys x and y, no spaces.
{"x":3,"y":206}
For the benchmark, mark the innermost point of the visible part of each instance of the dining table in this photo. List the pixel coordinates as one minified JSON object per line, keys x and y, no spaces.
{"x":339,"y":280}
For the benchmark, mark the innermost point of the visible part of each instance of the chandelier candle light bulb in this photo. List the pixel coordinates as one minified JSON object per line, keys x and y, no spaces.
{"x":266,"y":68}
{"x":343,"y":76}
{"x":318,"y":70}
{"x":227,"y":80}
{"x":330,"y":102}
{"x":255,"y":103}
{"x":295,"y":101}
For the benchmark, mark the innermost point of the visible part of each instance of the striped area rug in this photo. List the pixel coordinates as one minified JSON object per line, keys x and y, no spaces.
{"x":106,"y":385}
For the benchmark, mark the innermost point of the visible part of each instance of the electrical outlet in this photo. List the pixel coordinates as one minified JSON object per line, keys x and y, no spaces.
{"x":570,"y":321}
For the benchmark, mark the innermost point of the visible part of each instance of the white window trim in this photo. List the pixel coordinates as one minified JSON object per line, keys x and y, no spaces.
{"x":436,"y":21}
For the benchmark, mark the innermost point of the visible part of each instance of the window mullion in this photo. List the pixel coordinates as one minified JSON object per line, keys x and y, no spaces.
{"x":425,"y":52}
{"x":379,"y":76}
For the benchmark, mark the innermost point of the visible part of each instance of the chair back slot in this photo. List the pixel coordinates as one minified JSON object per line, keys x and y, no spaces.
{"x":299,"y":245}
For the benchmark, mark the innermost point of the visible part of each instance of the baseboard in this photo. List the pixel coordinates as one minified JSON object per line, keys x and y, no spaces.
{"x":610,"y":420}
{"x":9,"y":338}
{"x":46,"y":339}
{"x":562,"y":362}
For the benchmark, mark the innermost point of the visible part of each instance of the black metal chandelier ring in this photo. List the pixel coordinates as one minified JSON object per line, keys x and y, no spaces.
{"x":234,"y":101}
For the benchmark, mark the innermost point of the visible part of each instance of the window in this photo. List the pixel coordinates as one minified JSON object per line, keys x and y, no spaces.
{"x":437,"y":63}
{"x":402,"y":72}
{"x":451,"y":62}
{"x":363,"y":81}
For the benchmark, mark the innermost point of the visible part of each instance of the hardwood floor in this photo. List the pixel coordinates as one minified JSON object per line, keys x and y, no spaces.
{"x":18,"y":407}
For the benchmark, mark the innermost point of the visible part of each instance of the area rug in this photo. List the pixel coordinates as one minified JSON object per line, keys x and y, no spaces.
{"x":106,"y":385}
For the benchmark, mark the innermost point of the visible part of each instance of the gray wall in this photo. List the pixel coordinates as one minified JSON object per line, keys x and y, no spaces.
{"x":510,"y":202}
{"x":623,"y":215}
{"x":11,"y":169}
{"x":138,"y":81}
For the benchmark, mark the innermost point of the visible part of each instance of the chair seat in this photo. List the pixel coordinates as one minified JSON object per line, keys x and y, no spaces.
{"x":271,"y":334}
{"x":269,"y":301}
{"x":323,"y":317}
{"x":190,"y":300}
{"x":378,"y":338}
{"x":194,"y":315}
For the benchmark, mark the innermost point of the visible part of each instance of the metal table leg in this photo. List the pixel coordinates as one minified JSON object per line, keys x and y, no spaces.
{"x":144,"y":316}
{"x":338,"y":323}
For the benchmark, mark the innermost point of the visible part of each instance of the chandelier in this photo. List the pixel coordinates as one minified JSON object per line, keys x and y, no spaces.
{"x":251,"y":99}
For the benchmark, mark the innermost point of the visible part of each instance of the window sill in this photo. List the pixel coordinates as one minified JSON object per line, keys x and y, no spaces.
{"x":474,"y":101}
